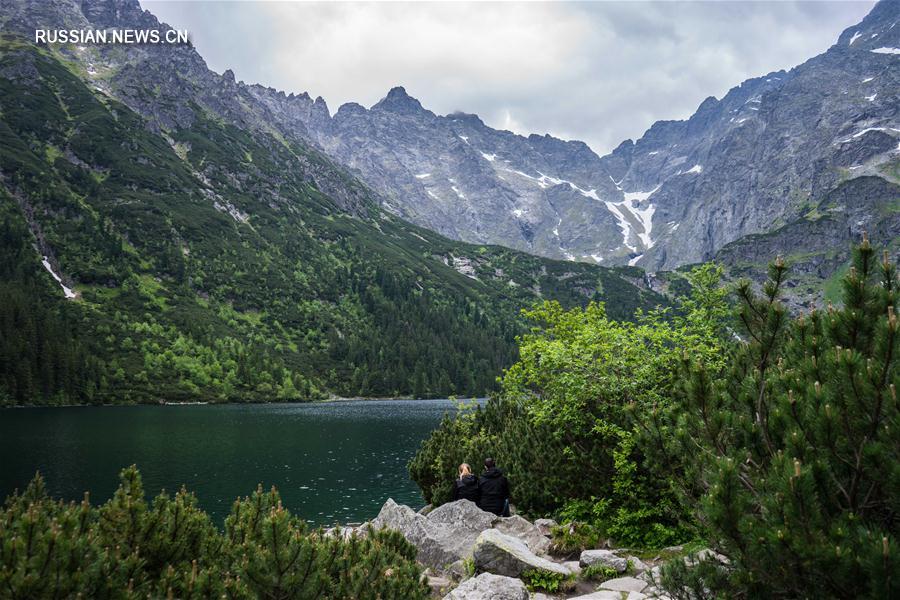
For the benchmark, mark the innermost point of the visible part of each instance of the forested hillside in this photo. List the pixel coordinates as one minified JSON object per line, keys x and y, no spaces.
{"x":206,"y":264}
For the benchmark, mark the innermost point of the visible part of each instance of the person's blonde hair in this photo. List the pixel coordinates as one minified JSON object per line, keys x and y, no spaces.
{"x":464,"y":469}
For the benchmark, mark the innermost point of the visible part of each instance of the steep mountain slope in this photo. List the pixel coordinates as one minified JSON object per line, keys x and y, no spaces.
{"x":773,"y":147}
{"x":817,"y":245}
{"x":165,"y":239}
{"x":763,"y":155}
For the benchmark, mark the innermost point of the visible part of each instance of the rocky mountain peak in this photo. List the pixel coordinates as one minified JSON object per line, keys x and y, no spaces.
{"x":398,"y":101}
{"x":467,"y":118}
{"x":878,"y":30}
{"x":117,"y":13}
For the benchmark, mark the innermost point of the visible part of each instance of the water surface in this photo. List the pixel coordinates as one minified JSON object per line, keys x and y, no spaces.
{"x":331,"y":462}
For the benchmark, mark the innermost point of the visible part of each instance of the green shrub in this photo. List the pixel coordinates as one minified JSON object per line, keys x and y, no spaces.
{"x":128,"y":548}
{"x":545,"y":581}
{"x":571,"y":538}
{"x":598,"y":573}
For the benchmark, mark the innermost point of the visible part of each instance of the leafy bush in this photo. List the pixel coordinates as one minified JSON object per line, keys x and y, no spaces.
{"x":598,"y":573}
{"x":791,"y":455}
{"x":546,"y":581}
{"x":580,"y":379}
{"x":570,"y":538}
{"x":170,"y":548}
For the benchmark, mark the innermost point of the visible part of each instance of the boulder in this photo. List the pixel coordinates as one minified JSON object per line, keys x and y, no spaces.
{"x":463,"y":514}
{"x":436,"y":547}
{"x":603,"y":557}
{"x":624,"y":584}
{"x":501,"y":554}
{"x":443,"y":536}
{"x":518,"y":527}
{"x":545,"y":526}
{"x":447,"y":534}
{"x":488,"y":586}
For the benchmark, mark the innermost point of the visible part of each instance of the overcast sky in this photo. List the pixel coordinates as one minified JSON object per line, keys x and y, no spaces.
{"x":595,"y":71}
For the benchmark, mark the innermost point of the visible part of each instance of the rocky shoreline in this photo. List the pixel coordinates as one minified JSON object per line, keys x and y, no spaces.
{"x":470,"y":554}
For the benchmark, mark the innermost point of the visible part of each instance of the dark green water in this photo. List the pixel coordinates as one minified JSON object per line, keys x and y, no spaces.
{"x":332,"y":462}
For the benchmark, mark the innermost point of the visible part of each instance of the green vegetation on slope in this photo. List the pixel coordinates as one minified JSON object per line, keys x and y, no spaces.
{"x":209,"y":267}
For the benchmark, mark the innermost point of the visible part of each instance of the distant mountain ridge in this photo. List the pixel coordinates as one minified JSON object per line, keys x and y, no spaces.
{"x":751,"y":162}
{"x":758,"y":158}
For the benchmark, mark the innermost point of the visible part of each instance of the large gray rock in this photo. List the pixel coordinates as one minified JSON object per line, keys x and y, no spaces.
{"x":496,"y":552}
{"x":437,"y":546}
{"x":488,"y":586}
{"x":520,"y":528}
{"x":444,"y":536}
{"x":447,"y":534}
{"x":603,"y":557}
{"x":624,"y":584}
{"x":463,"y":514}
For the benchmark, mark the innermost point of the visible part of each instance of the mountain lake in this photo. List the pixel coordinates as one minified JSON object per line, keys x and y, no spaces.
{"x":332,"y":462}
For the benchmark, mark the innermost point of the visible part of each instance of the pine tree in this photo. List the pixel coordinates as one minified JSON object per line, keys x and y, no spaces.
{"x":130,"y":549}
{"x":792,"y":454}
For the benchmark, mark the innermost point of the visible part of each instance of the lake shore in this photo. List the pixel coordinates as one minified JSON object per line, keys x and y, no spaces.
{"x":331,"y":400}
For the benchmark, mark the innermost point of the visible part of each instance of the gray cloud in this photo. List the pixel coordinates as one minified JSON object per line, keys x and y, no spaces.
{"x":599,"y":71}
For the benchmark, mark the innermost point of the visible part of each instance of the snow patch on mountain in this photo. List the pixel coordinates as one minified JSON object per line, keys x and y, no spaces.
{"x":696,"y":169}
{"x":66,"y":290}
{"x":643,"y":215}
{"x":886,"y":50}
{"x":622,"y":221}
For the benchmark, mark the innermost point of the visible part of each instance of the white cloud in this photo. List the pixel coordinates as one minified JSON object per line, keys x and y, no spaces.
{"x":600,"y":72}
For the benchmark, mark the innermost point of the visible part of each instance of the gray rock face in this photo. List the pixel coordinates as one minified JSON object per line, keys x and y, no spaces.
{"x":741,"y":165}
{"x":498,"y":553}
{"x":488,"y":586}
{"x":520,"y":528}
{"x":603,"y":557}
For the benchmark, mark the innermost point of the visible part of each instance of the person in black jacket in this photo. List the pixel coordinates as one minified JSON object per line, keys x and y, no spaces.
{"x":494,"y":490}
{"x":466,"y":485}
